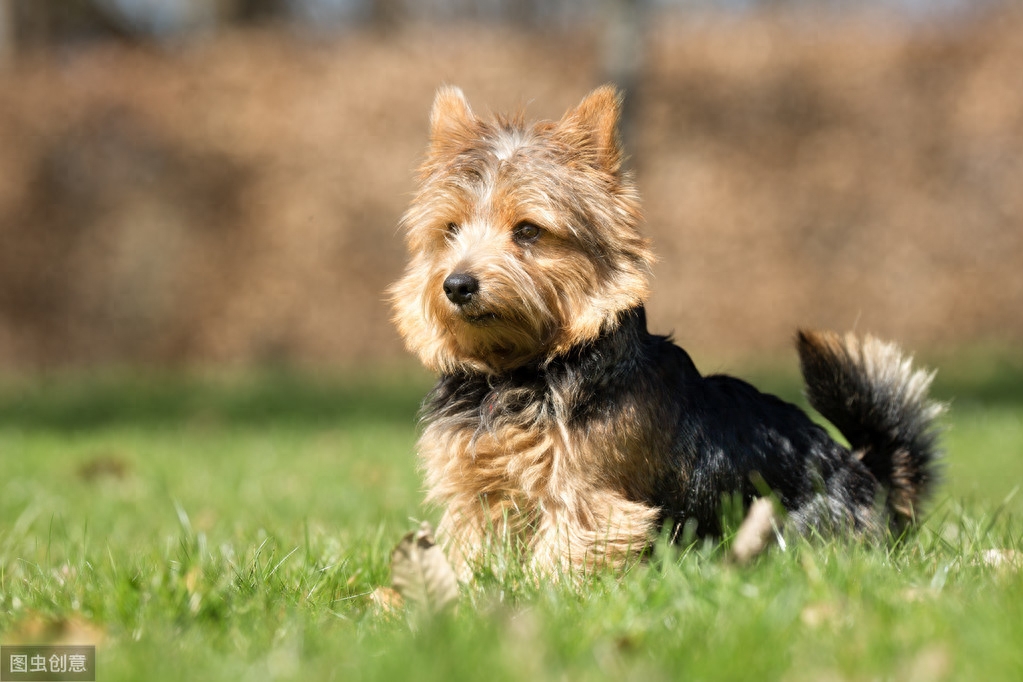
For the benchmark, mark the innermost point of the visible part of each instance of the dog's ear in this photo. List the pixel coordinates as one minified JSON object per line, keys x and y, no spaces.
{"x":451,"y":120}
{"x":592,"y":127}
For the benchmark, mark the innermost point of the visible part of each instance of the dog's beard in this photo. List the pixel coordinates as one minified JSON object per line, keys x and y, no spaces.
{"x":499,"y":339}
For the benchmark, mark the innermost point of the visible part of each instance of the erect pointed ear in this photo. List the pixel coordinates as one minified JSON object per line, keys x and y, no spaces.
{"x":592,"y":127}
{"x":451,"y":119}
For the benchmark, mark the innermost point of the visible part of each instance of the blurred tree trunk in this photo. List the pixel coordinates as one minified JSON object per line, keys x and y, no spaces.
{"x":6,"y":30}
{"x":47,"y":22}
{"x":623,"y":56}
{"x":386,"y":15}
{"x":255,"y":11}
{"x":524,"y":12}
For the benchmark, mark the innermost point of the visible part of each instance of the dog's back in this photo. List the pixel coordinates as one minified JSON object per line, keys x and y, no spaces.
{"x":730,"y":438}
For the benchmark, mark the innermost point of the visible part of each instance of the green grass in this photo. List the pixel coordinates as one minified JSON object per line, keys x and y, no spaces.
{"x":235,"y":529}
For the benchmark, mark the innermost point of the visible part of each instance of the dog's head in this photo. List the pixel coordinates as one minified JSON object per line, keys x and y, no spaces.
{"x":523,"y":240}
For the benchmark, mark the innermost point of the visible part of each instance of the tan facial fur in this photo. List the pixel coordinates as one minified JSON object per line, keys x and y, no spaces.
{"x":483,"y":179}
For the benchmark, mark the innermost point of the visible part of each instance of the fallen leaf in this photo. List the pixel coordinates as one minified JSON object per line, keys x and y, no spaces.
{"x":758,"y":530}
{"x":103,"y":465}
{"x":421,"y":573}
{"x":386,"y":600}
{"x":71,"y":631}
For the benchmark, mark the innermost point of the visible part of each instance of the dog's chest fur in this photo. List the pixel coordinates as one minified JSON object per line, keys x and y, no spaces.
{"x":563,"y":456}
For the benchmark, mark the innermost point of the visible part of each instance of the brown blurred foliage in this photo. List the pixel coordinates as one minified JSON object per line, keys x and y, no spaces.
{"x":236,"y":200}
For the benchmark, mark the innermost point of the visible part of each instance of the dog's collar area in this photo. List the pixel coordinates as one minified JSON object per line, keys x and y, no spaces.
{"x":590,"y":361}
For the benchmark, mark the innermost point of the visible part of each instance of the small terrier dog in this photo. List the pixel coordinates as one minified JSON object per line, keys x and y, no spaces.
{"x":558,"y":421}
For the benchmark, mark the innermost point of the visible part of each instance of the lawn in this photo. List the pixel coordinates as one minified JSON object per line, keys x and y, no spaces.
{"x":235,"y":529}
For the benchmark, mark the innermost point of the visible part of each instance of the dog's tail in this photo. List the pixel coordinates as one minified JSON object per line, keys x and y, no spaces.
{"x":879,"y":402}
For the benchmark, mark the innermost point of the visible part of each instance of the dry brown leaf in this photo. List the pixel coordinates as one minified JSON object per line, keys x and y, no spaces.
{"x":71,"y":631}
{"x":386,"y":600}
{"x":757,"y":532}
{"x":104,"y":465}
{"x":421,"y":573}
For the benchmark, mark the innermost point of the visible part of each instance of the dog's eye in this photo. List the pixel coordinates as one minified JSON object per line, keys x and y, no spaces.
{"x":526,"y":233}
{"x":452,"y":228}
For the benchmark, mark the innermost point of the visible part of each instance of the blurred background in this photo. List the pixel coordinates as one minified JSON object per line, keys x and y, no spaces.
{"x":189,"y":183}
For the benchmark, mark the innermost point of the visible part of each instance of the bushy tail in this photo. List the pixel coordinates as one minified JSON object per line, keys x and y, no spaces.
{"x":879,"y":402}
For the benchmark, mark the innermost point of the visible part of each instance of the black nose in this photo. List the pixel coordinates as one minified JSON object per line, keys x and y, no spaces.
{"x":460,"y":288}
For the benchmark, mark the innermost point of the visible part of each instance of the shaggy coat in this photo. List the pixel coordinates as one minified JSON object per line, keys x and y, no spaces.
{"x":558,"y":421}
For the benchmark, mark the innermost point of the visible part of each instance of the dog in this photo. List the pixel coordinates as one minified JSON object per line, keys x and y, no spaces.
{"x":558,"y":421}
